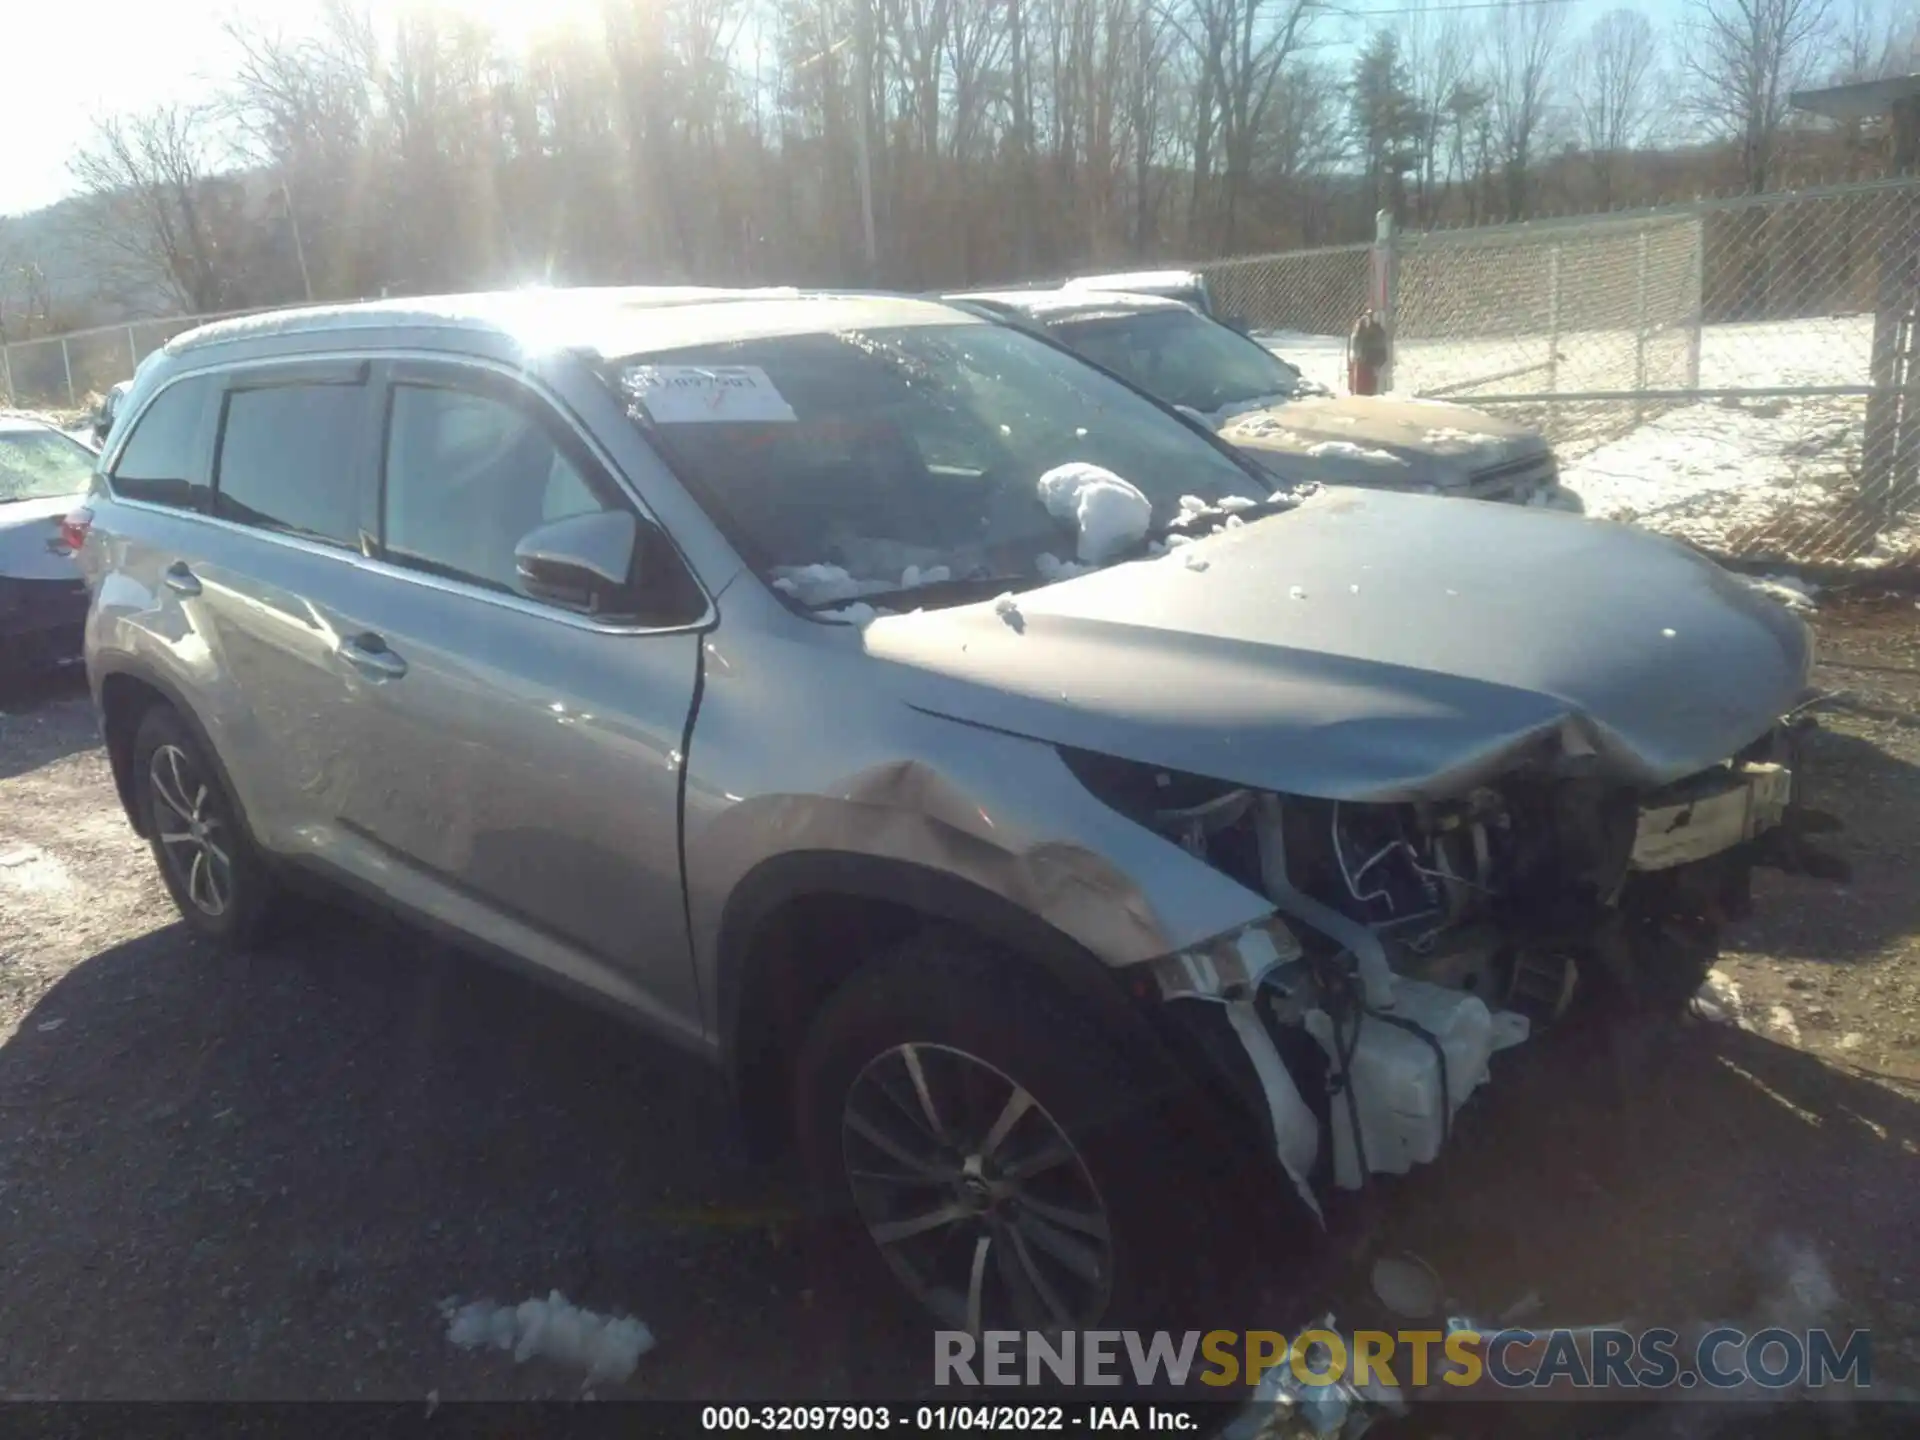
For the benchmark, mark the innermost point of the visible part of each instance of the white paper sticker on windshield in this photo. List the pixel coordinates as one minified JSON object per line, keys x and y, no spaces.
{"x":707,"y":394}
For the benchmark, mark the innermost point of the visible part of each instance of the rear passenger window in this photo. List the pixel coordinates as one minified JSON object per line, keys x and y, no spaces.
{"x":286,"y":460}
{"x":163,"y":460}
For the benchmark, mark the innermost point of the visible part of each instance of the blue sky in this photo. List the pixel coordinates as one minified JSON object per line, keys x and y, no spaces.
{"x":67,"y":68}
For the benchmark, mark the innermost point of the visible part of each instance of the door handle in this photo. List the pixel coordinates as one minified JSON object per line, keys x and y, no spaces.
{"x":368,"y":653}
{"x":181,"y":580}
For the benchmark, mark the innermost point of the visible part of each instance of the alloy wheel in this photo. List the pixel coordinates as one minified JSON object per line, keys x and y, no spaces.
{"x":192,"y":837}
{"x":979,"y":1202}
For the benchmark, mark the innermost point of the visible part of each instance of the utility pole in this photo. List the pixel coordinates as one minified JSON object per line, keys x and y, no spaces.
{"x":299,"y":250}
{"x":863,"y":77}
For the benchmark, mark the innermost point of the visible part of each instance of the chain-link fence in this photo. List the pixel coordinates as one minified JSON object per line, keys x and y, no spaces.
{"x":1609,"y":306}
{"x":69,"y":372}
{"x":1312,"y":294}
{"x":1737,"y":372}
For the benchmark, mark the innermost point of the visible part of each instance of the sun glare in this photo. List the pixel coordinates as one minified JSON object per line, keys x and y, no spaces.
{"x":517,"y":23}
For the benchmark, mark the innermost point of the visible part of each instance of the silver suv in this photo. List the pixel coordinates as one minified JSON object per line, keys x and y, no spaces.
{"x":1085,"y":853}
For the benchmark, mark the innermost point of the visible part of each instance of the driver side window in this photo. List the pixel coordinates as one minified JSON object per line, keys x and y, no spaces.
{"x":468,"y":476}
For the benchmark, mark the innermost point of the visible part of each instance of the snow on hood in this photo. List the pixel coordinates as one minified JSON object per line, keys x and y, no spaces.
{"x":1360,"y":454}
{"x":1431,"y":444}
{"x":1109,"y":514}
{"x":1349,"y":649}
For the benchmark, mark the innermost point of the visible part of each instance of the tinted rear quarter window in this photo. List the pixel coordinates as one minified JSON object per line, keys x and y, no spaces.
{"x":286,"y":460}
{"x":164,"y":460}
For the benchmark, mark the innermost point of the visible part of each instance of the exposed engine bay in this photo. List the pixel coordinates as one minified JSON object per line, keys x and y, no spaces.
{"x":1412,"y":941}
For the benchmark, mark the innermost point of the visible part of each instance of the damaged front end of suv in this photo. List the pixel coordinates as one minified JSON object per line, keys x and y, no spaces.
{"x":1475,"y":795}
{"x":1413,"y":940}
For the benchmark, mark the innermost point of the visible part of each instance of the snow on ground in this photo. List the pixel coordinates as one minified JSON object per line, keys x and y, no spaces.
{"x":1320,"y":358}
{"x":1790,"y":590}
{"x":1819,"y":351}
{"x":1720,"y":474}
{"x":1707,"y":470}
{"x":604,"y":1347}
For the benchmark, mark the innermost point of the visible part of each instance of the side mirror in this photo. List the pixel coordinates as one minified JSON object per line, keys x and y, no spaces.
{"x":1238,"y":324}
{"x":584,"y":562}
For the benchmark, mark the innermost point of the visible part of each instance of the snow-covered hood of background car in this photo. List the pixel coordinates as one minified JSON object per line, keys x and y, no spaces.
{"x":1377,"y":441}
{"x":1376,"y":646}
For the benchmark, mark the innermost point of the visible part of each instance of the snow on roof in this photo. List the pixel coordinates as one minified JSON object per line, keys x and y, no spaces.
{"x":1137,"y":280}
{"x":612,"y":321}
{"x":646,"y":333}
{"x":1078,"y":300}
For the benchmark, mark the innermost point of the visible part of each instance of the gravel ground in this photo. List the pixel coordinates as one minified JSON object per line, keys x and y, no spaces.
{"x":260,"y":1178}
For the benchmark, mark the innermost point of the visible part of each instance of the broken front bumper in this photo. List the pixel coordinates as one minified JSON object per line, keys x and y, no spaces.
{"x":1354,"y":1051}
{"x":1710,"y":814}
{"x":1345,"y":1091}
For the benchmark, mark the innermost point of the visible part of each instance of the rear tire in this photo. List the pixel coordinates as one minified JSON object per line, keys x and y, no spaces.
{"x":218,"y":880}
{"x":963,"y":1123}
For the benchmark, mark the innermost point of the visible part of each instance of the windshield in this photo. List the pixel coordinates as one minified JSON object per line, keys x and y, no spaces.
{"x":42,"y":464}
{"x":1184,"y":358}
{"x":850,"y":464}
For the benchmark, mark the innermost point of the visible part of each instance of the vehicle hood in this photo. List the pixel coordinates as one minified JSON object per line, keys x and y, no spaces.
{"x":1371,"y":645}
{"x":1375,"y":441}
{"x":29,"y":529}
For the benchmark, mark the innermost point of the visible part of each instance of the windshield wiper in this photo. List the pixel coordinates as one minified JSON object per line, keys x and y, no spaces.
{"x":940,"y":592}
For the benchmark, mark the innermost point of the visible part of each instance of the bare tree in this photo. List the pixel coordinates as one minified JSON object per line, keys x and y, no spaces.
{"x":1470,"y":144}
{"x":1524,"y":44}
{"x":1147,"y":103}
{"x":918,"y":142}
{"x":1304,"y":140}
{"x":1876,"y":40}
{"x":148,"y":178}
{"x":26,"y":300}
{"x":304,"y":110}
{"x":1743,"y":59}
{"x":1439,"y":53}
{"x":1614,"y":92}
{"x":1245,"y":48}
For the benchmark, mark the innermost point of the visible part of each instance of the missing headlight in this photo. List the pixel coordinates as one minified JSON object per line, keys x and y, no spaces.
{"x":1210,"y":819}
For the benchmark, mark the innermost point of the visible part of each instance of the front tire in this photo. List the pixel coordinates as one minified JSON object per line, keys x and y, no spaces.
{"x":216,"y":877}
{"x":1005,"y":1162}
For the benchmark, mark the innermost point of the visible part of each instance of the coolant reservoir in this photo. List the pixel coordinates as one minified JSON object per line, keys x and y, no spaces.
{"x":1396,"y":1076}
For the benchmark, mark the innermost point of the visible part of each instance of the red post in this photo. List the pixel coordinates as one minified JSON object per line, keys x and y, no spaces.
{"x":1366,"y":354}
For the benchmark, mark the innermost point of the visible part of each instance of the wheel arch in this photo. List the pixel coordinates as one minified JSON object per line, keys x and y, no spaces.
{"x":127,"y":692}
{"x":798,"y":925}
